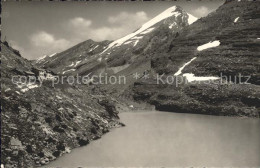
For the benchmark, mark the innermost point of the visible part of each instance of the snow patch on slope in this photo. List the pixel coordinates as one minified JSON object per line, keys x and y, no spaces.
{"x":68,"y":71}
{"x":171,"y":25}
{"x":128,"y":42}
{"x":8,"y":89}
{"x":74,"y":64}
{"x":180,"y":70}
{"x":93,"y":48}
{"x":26,"y":87}
{"x":136,"y":42}
{"x":208,"y":45}
{"x":71,"y":64}
{"x":77,"y":63}
{"x":99,"y":59}
{"x":41,"y":58}
{"x":236,"y":20}
{"x":191,"y":77}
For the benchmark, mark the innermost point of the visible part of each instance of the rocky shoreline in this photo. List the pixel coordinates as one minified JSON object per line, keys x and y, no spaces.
{"x":43,"y":144}
{"x":47,"y":139}
{"x":210,"y":99}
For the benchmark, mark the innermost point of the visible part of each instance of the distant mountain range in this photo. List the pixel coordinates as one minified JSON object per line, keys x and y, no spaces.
{"x":224,"y":46}
{"x":98,"y":56}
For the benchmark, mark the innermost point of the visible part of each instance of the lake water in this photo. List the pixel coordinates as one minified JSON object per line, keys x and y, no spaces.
{"x":172,"y":139}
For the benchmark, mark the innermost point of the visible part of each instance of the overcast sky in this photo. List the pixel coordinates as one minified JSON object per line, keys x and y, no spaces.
{"x":39,"y":28}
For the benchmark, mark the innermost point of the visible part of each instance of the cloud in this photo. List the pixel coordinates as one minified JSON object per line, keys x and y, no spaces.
{"x":79,"y":29}
{"x":45,"y":42}
{"x":80,"y":22}
{"x":117,"y":26}
{"x":43,"y":39}
{"x":202,"y":11}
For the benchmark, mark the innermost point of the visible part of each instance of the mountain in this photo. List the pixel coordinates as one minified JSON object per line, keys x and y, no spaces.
{"x":172,"y":17}
{"x":68,"y":61}
{"x":235,"y":26}
{"x":112,"y":57}
{"x":223,"y":47}
{"x":40,"y":121}
{"x":200,"y":62}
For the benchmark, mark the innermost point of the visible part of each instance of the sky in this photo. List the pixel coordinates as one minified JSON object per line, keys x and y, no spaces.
{"x":40,"y":28}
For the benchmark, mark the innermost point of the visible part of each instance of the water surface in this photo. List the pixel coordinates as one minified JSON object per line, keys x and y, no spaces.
{"x":171,"y":139}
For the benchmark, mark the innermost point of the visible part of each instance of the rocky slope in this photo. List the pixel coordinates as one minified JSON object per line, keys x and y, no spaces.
{"x":72,"y":59}
{"x":235,"y":26}
{"x":224,"y":46}
{"x":40,"y":122}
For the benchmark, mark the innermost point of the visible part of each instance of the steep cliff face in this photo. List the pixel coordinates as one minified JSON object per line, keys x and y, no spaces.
{"x":223,"y":46}
{"x":40,"y":122}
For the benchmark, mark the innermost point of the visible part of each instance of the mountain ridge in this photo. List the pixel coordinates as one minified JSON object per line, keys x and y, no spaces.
{"x":232,"y":57}
{"x":123,"y":50}
{"x":166,"y":49}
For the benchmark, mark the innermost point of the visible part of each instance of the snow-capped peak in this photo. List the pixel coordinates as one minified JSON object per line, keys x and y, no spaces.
{"x":167,"y":13}
{"x":191,"y":19}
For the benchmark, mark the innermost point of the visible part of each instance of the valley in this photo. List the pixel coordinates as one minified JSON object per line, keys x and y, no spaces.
{"x":208,"y":92}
